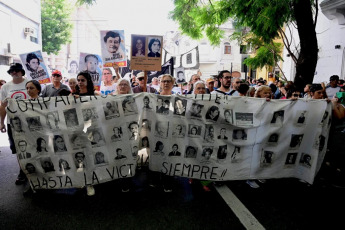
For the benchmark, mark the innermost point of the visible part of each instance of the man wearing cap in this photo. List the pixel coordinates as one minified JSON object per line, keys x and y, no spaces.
{"x":224,"y":78}
{"x":210,"y":85}
{"x":140,"y":88}
{"x":333,"y":87}
{"x":52,"y":89}
{"x":14,"y":89}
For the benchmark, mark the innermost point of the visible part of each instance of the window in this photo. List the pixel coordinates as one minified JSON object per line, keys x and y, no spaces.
{"x":227,"y":48}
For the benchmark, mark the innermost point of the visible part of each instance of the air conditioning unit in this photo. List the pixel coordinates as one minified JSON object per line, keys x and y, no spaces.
{"x":28,"y":31}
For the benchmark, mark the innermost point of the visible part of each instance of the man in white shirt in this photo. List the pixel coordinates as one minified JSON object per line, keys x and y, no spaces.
{"x":333,"y":87}
{"x":14,"y":89}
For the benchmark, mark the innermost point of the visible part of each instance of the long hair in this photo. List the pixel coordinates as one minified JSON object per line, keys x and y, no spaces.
{"x":90,"y":87}
{"x":39,"y":143}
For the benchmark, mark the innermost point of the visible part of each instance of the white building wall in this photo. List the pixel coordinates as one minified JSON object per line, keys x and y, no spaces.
{"x":331,"y":60}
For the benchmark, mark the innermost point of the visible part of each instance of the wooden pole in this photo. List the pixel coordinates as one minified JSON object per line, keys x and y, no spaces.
{"x":145,"y":81}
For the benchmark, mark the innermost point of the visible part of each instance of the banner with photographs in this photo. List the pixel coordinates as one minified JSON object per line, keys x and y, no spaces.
{"x":92,"y":63}
{"x":188,"y":60}
{"x":65,"y":142}
{"x":34,"y":66}
{"x":146,"y":52}
{"x":113,"y":48}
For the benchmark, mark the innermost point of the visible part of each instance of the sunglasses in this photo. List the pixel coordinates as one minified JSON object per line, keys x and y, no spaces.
{"x":140,"y":79}
{"x":56,"y":75}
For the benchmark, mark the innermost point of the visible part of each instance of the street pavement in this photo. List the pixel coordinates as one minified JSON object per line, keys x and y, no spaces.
{"x":277,"y":204}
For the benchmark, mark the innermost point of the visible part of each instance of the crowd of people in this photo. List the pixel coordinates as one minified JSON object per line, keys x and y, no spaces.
{"x":223,"y":84}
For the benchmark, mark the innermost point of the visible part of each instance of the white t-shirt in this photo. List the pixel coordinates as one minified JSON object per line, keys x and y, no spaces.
{"x":217,"y":92}
{"x":332,"y":91}
{"x":16,"y":91}
{"x":105,"y":90}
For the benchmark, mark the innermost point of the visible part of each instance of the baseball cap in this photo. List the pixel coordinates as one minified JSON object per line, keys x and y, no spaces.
{"x":56,"y":72}
{"x":141,"y":74}
{"x":209,"y":80}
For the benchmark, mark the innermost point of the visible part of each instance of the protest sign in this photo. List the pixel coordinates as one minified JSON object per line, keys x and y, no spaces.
{"x":146,"y":52}
{"x":188,"y":60}
{"x":75,"y":142}
{"x":34,"y":66}
{"x":113,"y":48}
{"x":92,"y":63}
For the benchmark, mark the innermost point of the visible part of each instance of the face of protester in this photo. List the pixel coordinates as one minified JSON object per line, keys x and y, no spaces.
{"x":123,"y":87}
{"x":60,"y":143}
{"x":72,"y":83}
{"x":318,"y":94}
{"x":266,"y":93}
{"x":91,"y":64}
{"x":295,"y":95}
{"x":33,"y":64}
{"x":139,"y":44}
{"x":155,"y":47}
{"x":306,"y":89}
{"x":200,"y":89}
{"x":166,"y":83}
{"x":107,"y":76}
{"x":154,"y":81}
{"x":82,"y":82}
{"x":333,"y":83}
{"x":195,"y":78}
{"x":16,"y":74}
{"x":226,"y":80}
{"x":32,"y":90}
{"x":113,"y":44}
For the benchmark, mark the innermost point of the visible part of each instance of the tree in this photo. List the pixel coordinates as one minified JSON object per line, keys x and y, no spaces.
{"x":56,"y":25}
{"x":266,"y":20}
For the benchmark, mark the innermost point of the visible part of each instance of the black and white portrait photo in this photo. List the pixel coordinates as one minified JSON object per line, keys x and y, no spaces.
{"x":195,"y":110}
{"x":161,"y":129}
{"x":99,"y":158}
{"x":134,"y":151}
{"x":235,"y":155}
{"x":133,"y":128}
{"x":30,"y":168}
{"x":146,"y":125}
{"x":179,"y":130}
{"x":291,"y":158}
{"x":52,"y":120}
{"x":154,"y":47}
{"x":34,"y":123}
{"x":71,"y":117}
{"x":111,"y":110}
{"x":119,"y":154}
{"x":145,"y":143}
{"x":266,"y":158}
{"x":158,"y":149}
{"x":180,"y":106}
{"x":16,"y":125}
{"x":96,"y":137}
{"x":194,"y":130}
{"x":59,"y":144}
{"x":306,"y":160}
{"x":278,"y":117}
{"x":89,"y":114}
{"x":209,"y":133}
{"x":207,"y":152}
{"x":222,"y":134}
{"x":180,"y":75}
{"x":22,"y":153}
{"x":41,"y":146}
{"x":239,"y":134}
{"x":228,"y":118}
{"x":301,"y":117}
{"x":77,"y":140}
{"x":138,"y":46}
{"x":324,"y":117}
{"x":79,"y":160}
{"x":63,"y":165}
{"x":191,"y":152}
{"x":273,"y":138}
{"x":174,"y":151}
{"x":244,"y":119}
{"x":212,"y":113}
{"x":162,"y":105}
{"x":47,"y":164}
{"x":117,"y":134}
{"x":128,"y":105}
{"x":296,"y":140}
{"x":146,"y":102}
{"x":222,"y":152}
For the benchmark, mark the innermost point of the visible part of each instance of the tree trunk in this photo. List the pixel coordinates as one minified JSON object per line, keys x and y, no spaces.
{"x":307,"y":60}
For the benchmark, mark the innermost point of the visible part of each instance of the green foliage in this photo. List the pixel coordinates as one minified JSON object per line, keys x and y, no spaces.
{"x":56,"y":25}
{"x":266,"y":55}
{"x":85,"y":2}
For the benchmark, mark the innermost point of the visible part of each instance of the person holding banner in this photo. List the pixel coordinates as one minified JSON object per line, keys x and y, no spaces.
{"x":166,"y":85}
{"x":141,"y":81}
{"x":33,"y":88}
{"x":52,"y":89}
{"x":123,"y":87}
{"x":14,"y":89}
{"x":85,"y":85}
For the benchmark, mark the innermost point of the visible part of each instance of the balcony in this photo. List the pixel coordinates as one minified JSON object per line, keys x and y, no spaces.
{"x":334,"y":9}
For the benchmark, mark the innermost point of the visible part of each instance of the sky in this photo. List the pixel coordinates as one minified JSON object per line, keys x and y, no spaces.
{"x":137,"y":16}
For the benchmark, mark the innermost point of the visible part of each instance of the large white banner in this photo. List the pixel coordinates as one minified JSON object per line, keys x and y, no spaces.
{"x":65,"y":142}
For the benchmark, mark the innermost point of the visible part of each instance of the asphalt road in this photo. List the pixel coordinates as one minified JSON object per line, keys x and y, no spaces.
{"x":277,"y":204}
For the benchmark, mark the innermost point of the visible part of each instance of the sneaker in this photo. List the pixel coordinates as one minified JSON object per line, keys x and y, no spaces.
{"x":125,"y":189}
{"x":252,"y":184}
{"x":262,"y":181}
{"x":167,"y":189}
{"x":90,"y":190}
